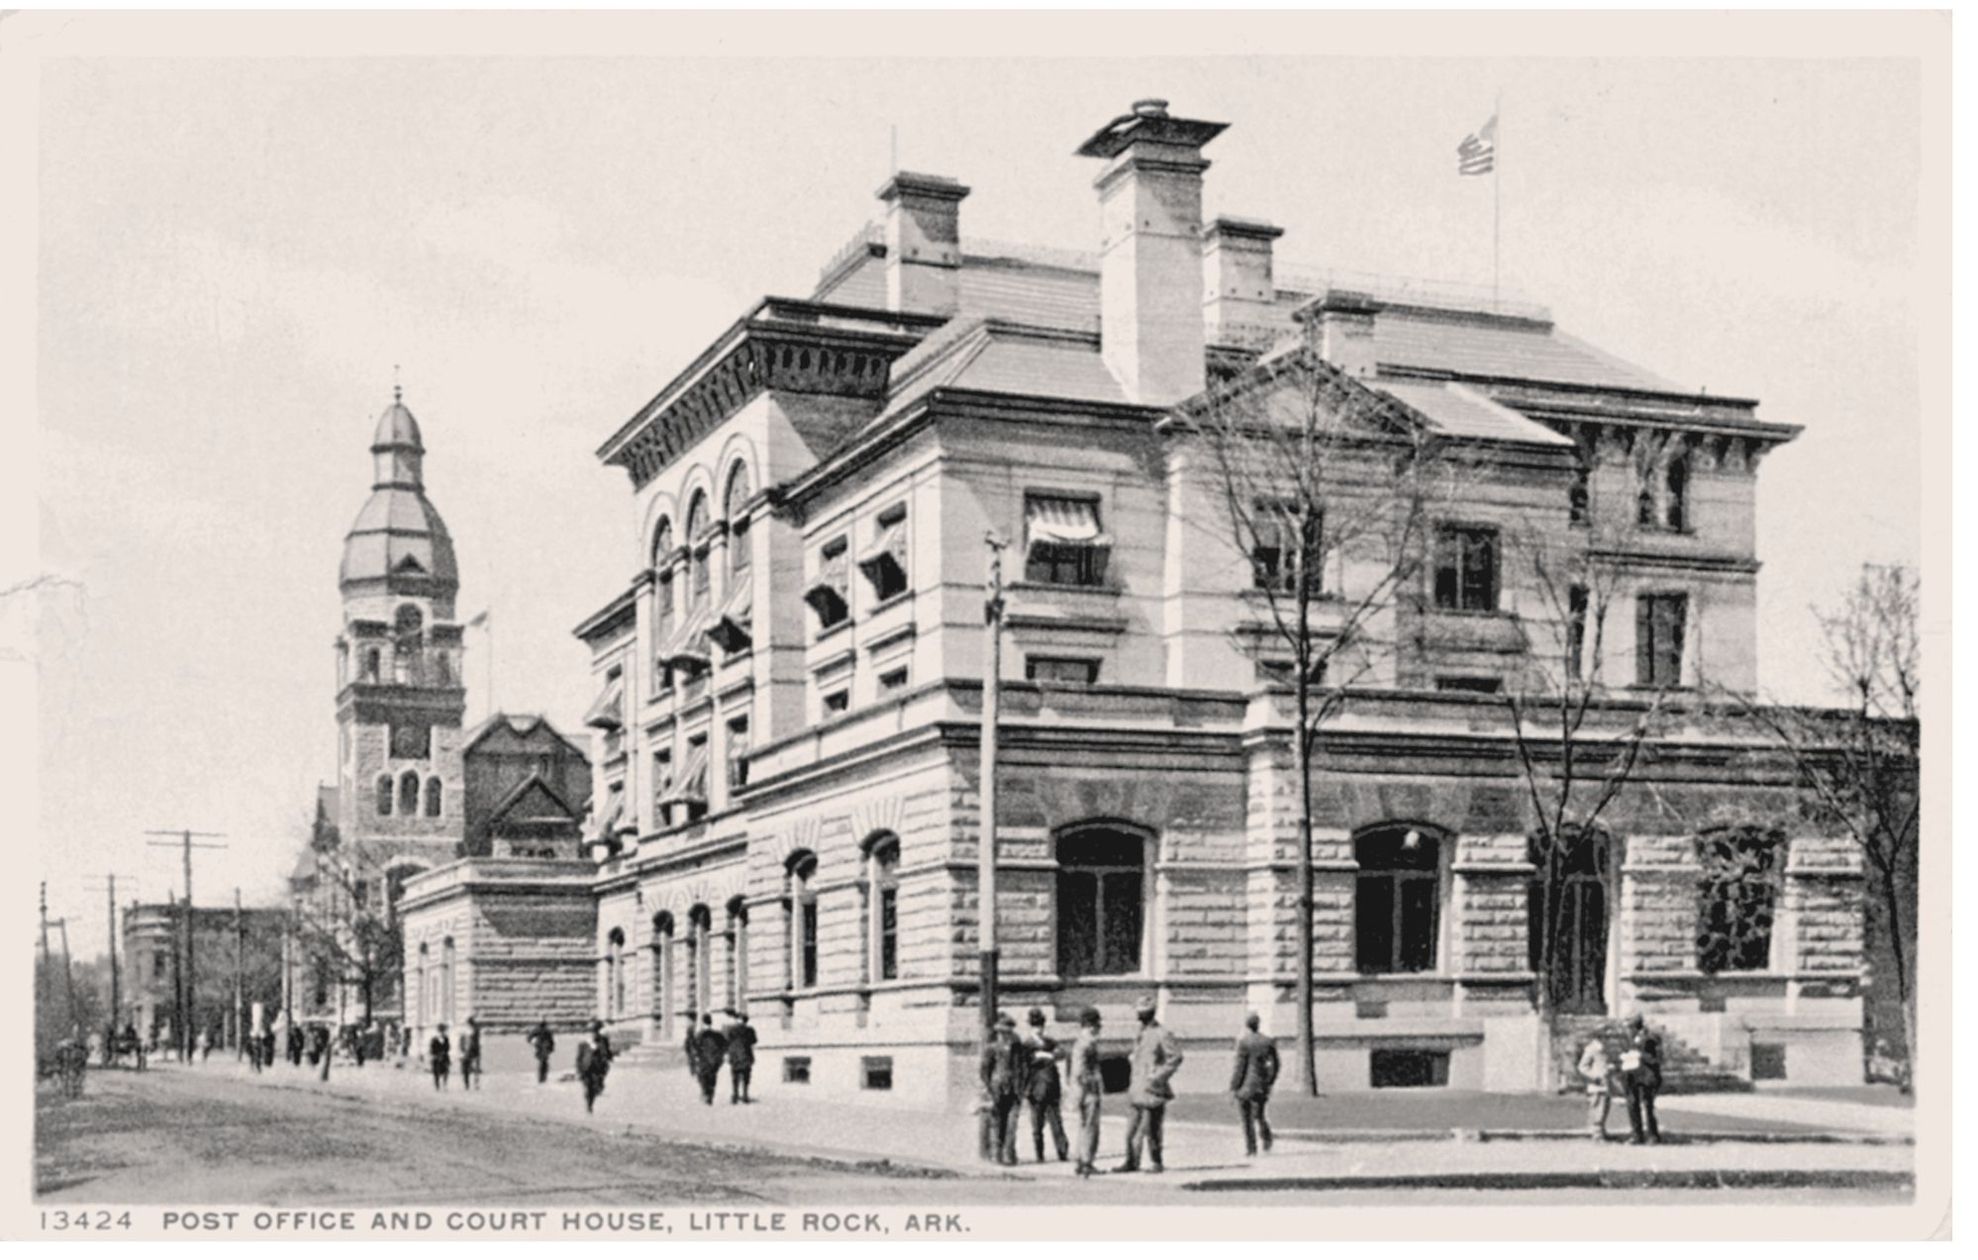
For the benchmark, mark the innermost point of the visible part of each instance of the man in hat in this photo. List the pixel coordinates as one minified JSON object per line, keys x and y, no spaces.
{"x":1003,"y":1071}
{"x":593,"y":1062}
{"x":741,"y":1057}
{"x":1043,"y":1089}
{"x":1156,"y":1058}
{"x":1641,"y":1072}
{"x":439,"y":1056}
{"x":1250,"y":1082}
{"x":710,"y":1050}
{"x":543,"y":1042}
{"x":1596,"y":1071}
{"x":470,"y":1053}
{"x":1087,"y":1076}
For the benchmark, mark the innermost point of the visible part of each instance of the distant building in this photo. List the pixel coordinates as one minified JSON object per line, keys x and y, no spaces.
{"x":154,"y":968}
{"x":414,"y":792}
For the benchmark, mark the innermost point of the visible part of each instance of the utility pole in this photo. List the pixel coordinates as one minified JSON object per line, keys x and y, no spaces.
{"x":116,"y":985}
{"x":189,"y":1000}
{"x":41,"y":978}
{"x":68,"y":971}
{"x":992,"y":688}
{"x":240,"y":1012}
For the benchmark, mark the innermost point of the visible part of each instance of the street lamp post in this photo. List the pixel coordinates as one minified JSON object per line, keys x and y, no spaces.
{"x":992,"y":616}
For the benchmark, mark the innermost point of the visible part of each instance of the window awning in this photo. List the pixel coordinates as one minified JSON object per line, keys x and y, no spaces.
{"x":688,"y":647}
{"x":608,"y":713}
{"x":733,"y":626}
{"x":1062,"y":522}
{"x":889,"y":547}
{"x":829,"y":584}
{"x":612,"y":814}
{"x":691,"y":784}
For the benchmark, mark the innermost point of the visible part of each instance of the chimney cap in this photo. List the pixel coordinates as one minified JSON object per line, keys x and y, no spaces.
{"x":1149,"y":123}
{"x":1237,"y":225}
{"x":902,"y":184}
{"x":1338,"y":302}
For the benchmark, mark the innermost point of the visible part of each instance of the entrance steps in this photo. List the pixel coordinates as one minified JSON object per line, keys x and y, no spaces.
{"x":1685,"y":1069}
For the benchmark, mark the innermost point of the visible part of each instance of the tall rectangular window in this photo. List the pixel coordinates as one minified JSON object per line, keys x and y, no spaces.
{"x":738,"y":753}
{"x":1466,"y":568}
{"x":1660,"y":624}
{"x":1063,"y":544}
{"x":1274,"y":564}
{"x":1395,"y":900}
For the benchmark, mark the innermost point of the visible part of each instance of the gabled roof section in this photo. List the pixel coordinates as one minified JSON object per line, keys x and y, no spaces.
{"x":1457,"y":411}
{"x":527,"y":728}
{"x":532,"y":802}
{"x":782,"y":344}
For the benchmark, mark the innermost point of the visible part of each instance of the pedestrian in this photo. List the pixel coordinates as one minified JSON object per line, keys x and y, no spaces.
{"x":328,"y":1051}
{"x":1250,"y":1082}
{"x":593,"y":1062}
{"x":470,"y":1053}
{"x":711,"y":1050}
{"x":1043,"y":1088}
{"x":692,"y":1045}
{"x":205,"y":1045}
{"x":1596,"y":1071}
{"x":254,"y":1052}
{"x":439,"y":1056}
{"x":1641,"y":1072}
{"x":1156,"y":1058}
{"x":295,"y":1045}
{"x":268,"y":1048}
{"x":741,"y":1057}
{"x":1003,"y":1072}
{"x":1088,"y":1076}
{"x":543,"y":1042}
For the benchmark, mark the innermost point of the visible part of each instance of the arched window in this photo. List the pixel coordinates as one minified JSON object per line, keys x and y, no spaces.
{"x":447,"y":1004}
{"x":1101,"y":903}
{"x":408,"y":794}
{"x":699,"y":920}
{"x":697,"y":553}
{"x":662,"y":971}
{"x":1396,"y":898}
{"x":662,"y":567}
{"x":883,"y":909}
{"x":407,"y":628}
{"x":384,"y":796}
{"x":738,"y":522}
{"x":1576,"y":918}
{"x":1737,"y":898}
{"x":433,"y":798}
{"x":372,"y":665}
{"x":614,"y":974}
{"x":800,"y":920}
{"x":737,"y":951}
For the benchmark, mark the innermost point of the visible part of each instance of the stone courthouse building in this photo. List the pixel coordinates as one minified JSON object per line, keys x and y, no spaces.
{"x":787,"y":720}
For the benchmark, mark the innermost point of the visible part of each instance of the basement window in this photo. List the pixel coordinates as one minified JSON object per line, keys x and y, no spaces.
{"x":1074,"y":670}
{"x":1408,"y":1069}
{"x":1768,"y":1062}
{"x":796,"y":1069}
{"x":837,"y":702}
{"x":1475,"y":686}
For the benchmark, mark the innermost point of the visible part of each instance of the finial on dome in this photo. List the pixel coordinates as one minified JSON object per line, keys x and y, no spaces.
{"x":397,"y":390}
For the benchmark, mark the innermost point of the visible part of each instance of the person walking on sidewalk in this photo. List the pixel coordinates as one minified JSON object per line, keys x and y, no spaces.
{"x":1087,"y":1075}
{"x":1043,"y":1089}
{"x":543,"y":1042}
{"x":1156,"y":1058}
{"x":593,"y":1062}
{"x":1251,"y":1080}
{"x":470,"y":1053}
{"x":439,"y":1056}
{"x":1641,"y":1071}
{"x":1596,"y":1069}
{"x":1003,"y":1072}
{"x":741,"y":1057}
{"x":710,"y":1049}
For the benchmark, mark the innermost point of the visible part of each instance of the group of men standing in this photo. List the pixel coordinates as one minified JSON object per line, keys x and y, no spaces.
{"x":1639,"y":1075}
{"x":440,"y":1053}
{"x":709,"y":1047}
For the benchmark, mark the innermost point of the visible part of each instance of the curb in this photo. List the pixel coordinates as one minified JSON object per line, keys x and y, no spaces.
{"x":1688,"y":1137}
{"x":1613,"y":1179}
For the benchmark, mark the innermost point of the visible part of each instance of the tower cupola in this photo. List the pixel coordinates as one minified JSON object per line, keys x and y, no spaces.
{"x":399,"y":545}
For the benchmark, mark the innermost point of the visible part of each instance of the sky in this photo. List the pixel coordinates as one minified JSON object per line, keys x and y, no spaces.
{"x":237,"y":256}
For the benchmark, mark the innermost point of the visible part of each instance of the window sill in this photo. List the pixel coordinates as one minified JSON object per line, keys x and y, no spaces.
{"x":1499,"y":614}
{"x":832,"y":630}
{"x":1052,"y":588}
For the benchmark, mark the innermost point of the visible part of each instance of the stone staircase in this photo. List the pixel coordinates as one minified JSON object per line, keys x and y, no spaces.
{"x":1685,"y":1069}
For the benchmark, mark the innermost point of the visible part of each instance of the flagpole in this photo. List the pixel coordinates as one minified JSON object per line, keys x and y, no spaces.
{"x":1497,"y":203}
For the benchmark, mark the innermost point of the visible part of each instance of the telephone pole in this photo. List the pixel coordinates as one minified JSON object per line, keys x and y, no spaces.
{"x":116,"y":983}
{"x":240,"y":1028}
{"x":189,"y":1008}
{"x":68,"y":971}
{"x":41,"y":977}
{"x":985,"y":845}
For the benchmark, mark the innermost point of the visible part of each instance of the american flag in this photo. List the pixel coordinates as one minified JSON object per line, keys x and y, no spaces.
{"x":1477,"y":155}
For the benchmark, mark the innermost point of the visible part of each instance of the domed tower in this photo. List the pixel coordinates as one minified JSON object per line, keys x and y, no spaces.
{"x":401,"y":695}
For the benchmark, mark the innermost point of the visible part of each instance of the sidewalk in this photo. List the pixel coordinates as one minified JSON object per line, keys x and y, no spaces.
{"x":1202,"y":1154}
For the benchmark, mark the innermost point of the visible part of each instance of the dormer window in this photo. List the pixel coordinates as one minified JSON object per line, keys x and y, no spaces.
{"x":829,"y":590}
{"x":884,"y":563}
{"x":1063,"y":544}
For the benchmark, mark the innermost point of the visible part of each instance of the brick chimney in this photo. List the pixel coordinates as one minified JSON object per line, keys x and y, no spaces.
{"x":1239,"y":288}
{"x":923,"y":243}
{"x":1150,"y":270}
{"x":1344,"y":323}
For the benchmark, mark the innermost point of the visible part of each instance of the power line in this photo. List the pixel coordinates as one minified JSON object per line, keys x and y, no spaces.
{"x":188,"y":1002}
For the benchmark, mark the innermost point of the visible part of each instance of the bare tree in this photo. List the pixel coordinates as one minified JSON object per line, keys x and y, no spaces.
{"x":1323,"y":485}
{"x":350,"y":920}
{"x":1858,"y":764}
{"x":1578,"y":747}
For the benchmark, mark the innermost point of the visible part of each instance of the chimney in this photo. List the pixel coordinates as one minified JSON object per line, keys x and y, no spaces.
{"x":1150,"y":270}
{"x":1344,"y":322}
{"x":923,"y":243}
{"x":1239,"y":287}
